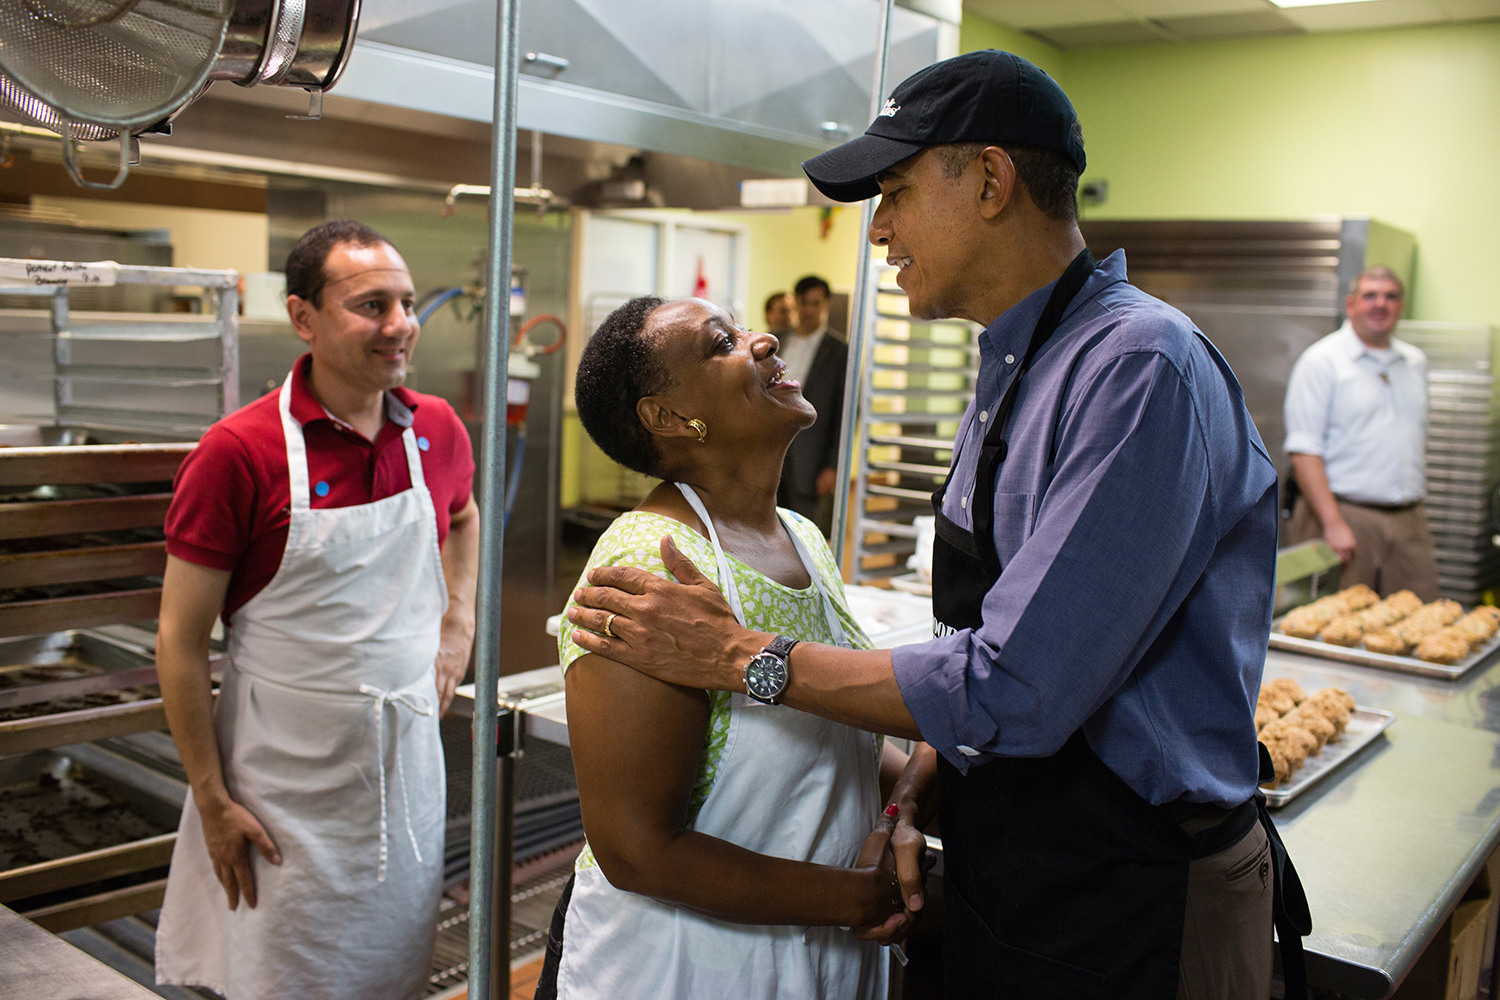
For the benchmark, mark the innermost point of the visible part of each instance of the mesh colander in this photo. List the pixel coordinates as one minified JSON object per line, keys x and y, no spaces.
{"x":117,"y":65}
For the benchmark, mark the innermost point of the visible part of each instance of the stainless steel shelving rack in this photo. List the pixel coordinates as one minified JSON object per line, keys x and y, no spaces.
{"x":917,"y":379}
{"x":167,"y":375}
{"x":1463,"y":452}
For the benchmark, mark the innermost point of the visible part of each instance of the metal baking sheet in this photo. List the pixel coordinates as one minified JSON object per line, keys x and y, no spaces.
{"x":67,"y":671}
{"x":1365,"y":725}
{"x":1384,"y":661}
{"x":912,"y":583}
{"x":52,"y":807}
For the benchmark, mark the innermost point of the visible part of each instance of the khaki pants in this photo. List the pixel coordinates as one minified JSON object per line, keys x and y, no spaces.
{"x":1226,"y":931}
{"x":1394,"y":549}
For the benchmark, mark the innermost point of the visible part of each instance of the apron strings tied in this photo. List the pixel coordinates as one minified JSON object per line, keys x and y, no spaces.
{"x":421,"y":706}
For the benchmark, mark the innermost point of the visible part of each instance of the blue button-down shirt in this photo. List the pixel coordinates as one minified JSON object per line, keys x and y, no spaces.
{"x":1135,"y":516}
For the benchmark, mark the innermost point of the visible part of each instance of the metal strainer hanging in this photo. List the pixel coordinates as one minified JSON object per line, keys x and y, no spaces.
{"x":126,"y":64}
{"x":101,"y":69}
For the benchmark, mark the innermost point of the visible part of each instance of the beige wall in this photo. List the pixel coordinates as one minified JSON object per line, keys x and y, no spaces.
{"x":786,"y":245}
{"x":201,"y":237}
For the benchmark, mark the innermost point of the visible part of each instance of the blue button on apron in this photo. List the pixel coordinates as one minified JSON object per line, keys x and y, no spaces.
{"x":321,"y":489}
{"x":423,"y":443}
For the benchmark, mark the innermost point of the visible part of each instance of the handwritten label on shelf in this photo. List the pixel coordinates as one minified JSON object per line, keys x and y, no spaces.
{"x":15,"y":271}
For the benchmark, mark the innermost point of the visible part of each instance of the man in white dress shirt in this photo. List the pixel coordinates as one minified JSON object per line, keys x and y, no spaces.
{"x":815,"y":357}
{"x":1356,"y":431}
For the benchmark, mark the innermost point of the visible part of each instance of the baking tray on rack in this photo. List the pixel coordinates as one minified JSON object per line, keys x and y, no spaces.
{"x":911,"y":583}
{"x":1364,"y":727}
{"x":1384,"y":661}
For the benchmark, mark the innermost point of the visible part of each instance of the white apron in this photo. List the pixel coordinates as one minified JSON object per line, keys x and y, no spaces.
{"x":789,"y":785}
{"x":328,"y":732}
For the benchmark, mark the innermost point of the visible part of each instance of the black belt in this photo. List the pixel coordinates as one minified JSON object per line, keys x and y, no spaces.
{"x":1387,"y":508}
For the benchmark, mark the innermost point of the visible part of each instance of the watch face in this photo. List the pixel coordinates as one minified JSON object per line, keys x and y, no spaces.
{"x":765,"y":677}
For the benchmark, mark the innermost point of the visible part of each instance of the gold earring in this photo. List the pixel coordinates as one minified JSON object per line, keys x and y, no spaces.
{"x":701,"y":428}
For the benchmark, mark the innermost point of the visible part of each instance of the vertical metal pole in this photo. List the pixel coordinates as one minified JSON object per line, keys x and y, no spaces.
{"x":860,"y":313}
{"x":489,"y":873}
{"x":60,"y":355}
{"x":229,"y":349}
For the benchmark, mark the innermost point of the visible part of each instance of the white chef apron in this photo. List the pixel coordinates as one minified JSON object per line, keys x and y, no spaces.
{"x":789,"y":785}
{"x":327,"y":723}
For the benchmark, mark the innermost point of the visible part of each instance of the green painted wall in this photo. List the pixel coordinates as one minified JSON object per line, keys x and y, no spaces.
{"x":1402,"y":125}
{"x":981,"y":33}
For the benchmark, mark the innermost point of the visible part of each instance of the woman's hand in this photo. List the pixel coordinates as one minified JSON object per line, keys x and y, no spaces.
{"x":889,"y":920}
{"x":229,"y":829}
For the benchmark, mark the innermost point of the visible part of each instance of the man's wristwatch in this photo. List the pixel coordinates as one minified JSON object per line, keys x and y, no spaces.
{"x":767,"y":674}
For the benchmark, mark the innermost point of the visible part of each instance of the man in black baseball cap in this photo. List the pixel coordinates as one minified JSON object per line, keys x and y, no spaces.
{"x":988,"y":97}
{"x":1102,"y":585}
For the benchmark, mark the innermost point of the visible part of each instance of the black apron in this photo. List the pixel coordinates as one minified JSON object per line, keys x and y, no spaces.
{"x":1060,"y":881}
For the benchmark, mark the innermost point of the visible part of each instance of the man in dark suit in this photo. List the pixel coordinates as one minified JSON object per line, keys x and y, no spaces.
{"x":816,"y":357}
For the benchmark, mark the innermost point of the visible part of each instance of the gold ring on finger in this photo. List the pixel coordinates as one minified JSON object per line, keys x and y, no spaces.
{"x":607,"y":623}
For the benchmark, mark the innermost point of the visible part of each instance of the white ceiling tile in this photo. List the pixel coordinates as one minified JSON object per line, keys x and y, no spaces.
{"x":1037,"y":13}
{"x":1375,"y":14}
{"x":1096,"y":36}
{"x":1471,"y":10}
{"x":1245,"y":24}
{"x":1190,"y":8}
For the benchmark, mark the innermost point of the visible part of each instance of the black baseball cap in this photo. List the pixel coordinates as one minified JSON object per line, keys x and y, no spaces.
{"x":987,"y":96}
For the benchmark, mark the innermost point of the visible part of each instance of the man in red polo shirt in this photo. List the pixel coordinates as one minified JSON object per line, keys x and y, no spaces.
{"x":332,"y":526}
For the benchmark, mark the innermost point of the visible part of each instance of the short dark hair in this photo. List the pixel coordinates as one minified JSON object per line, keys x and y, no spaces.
{"x":771,"y":300}
{"x":810,"y":282}
{"x":305,"y":276}
{"x":1049,"y":175}
{"x":619,"y":366}
{"x":1378,"y":271}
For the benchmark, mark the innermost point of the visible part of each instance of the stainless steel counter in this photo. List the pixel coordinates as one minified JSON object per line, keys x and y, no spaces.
{"x":39,"y":966}
{"x":1386,"y":850}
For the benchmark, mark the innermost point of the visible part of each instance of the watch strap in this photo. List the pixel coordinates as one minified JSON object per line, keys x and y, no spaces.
{"x":782,"y":646}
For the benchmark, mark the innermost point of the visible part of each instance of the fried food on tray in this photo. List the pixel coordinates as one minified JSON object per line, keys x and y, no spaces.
{"x":1349,"y":629}
{"x":1402,"y":603}
{"x":1278,"y":701}
{"x":1302,"y":730}
{"x":1446,"y":646}
{"x":1457,"y":641}
{"x":1428,"y":619}
{"x":1280,"y":763}
{"x":1399,"y":639}
{"x":1334,"y":704}
{"x":1479,"y":625}
{"x":1385,"y":641}
{"x":1287,"y":731}
{"x":1286,"y":686}
{"x":1315,"y":722}
{"x":1345,"y":631}
{"x":1305,"y":622}
{"x":1295,"y":751}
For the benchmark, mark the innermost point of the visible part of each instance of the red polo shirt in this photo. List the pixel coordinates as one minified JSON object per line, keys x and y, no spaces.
{"x":231,"y":505}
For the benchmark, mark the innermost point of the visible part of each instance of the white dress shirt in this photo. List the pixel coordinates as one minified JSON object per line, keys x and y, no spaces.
{"x":1364,"y":412}
{"x":798,"y":352}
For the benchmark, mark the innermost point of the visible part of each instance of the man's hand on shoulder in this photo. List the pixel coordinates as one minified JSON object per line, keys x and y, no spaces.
{"x":680,"y":632}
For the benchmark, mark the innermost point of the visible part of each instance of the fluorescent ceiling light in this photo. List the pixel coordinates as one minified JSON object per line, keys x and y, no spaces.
{"x":1314,"y":3}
